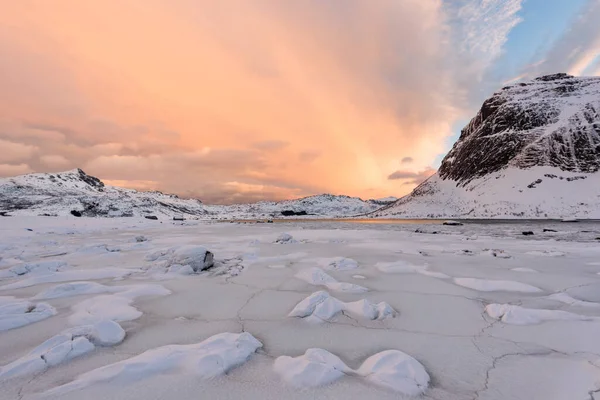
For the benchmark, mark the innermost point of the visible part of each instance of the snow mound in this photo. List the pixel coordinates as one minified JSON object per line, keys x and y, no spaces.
{"x":210,"y":358}
{"x":489,"y":285}
{"x":63,"y":347}
{"x":17,"y":313}
{"x":517,"y":315}
{"x":404,"y":267}
{"x":198,"y":258}
{"x":39,"y":268}
{"x":321,"y":306}
{"x":391,"y":369}
{"x":115,"y":307}
{"x":71,"y":275}
{"x":73,"y":289}
{"x":316,"y":367}
{"x":338,"y":263}
{"x":396,"y":370}
{"x":285,"y":238}
{"x":316,"y":276}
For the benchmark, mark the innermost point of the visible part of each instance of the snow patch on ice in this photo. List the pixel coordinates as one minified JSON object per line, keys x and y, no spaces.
{"x":15,"y":313}
{"x":546,"y":253}
{"x":210,"y":358}
{"x":71,"y":275}
{"x":65,"y":346}
{"x":404,"y":267}
{"x":337,"y":263}
{"x":391,"y":369}
{"x":517,"y":315}
{"x":115,"y":307}
{"x":524,"y":269}
{"x":316,"y":276}
{"x":489,"y":285}
{"x":321,"y":306}
{"x":568,"y":299}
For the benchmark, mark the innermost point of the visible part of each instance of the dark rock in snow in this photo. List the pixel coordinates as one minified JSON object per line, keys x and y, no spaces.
{"x":549,"y":230}
{"x":153,"y":217}
{"x":452,"y":223}
{"x":76,"y":213}
{"x":290,"y":213}
{"x":527,"y":233}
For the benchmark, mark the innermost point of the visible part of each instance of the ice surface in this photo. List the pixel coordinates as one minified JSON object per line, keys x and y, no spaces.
{"x":316,"y":276}
{"x":210,"y":358}
{"x":391,"y":369}
{"x":517,"y":315}
{"x":18,"y":313}
{"x":488,"y":285}
{"x":321,"y":306}
{"x":38,"y":268}
{"x":468,"y":355}
{"x":67,"y":345}
{"x":285,"y":238}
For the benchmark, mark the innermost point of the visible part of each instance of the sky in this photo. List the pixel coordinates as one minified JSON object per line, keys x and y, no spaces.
{"x":238,"y":101}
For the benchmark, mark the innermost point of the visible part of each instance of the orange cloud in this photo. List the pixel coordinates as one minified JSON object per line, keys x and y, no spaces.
{"x":223,"y":99}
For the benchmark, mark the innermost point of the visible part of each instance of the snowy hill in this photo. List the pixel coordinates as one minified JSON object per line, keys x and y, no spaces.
{"x":62,"y":193}
{"x":323,"y":205}
{"x":532,"y":151}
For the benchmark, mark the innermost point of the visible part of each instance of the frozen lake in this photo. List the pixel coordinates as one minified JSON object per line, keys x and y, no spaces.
{"x":111,"y":308}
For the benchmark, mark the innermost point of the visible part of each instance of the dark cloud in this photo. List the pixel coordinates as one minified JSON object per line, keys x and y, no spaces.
{"x":309,"y":155}
{"x":407,"y":160}
{"x":412,"y":177}
{"x":271,"y":144}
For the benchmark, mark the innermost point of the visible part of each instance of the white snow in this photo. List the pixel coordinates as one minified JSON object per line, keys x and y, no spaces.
{"x":39,"y":268}
{"x":391,"y":369}
{"x":18,"y":313}
{"x":316,"y":276}
{"x":321,"y":306}
{"x":65,"y":346}
{"x":285,"y":238}
{"x":208,"y":359}
{"x":489,"y":285}
{"x":517,"y":315}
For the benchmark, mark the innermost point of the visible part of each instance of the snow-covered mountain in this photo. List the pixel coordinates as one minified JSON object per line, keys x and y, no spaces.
{"x":75,"y":191}
{"x":61,"y":193}
{"x":532,"y":151}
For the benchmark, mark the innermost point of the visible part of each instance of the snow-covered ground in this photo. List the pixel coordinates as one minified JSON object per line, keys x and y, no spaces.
{"x":94,"y":308}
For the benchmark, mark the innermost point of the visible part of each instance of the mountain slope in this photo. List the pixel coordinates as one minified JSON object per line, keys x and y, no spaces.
{"x":533,"y":150}
{"x":61,"y":193}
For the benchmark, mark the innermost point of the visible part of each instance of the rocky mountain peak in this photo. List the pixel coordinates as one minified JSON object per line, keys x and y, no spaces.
{"x":551,"y":121}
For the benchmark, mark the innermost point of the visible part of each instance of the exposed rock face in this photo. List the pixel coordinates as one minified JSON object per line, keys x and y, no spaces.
{"x":550,"y":121}
{"x":532,"y":151}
